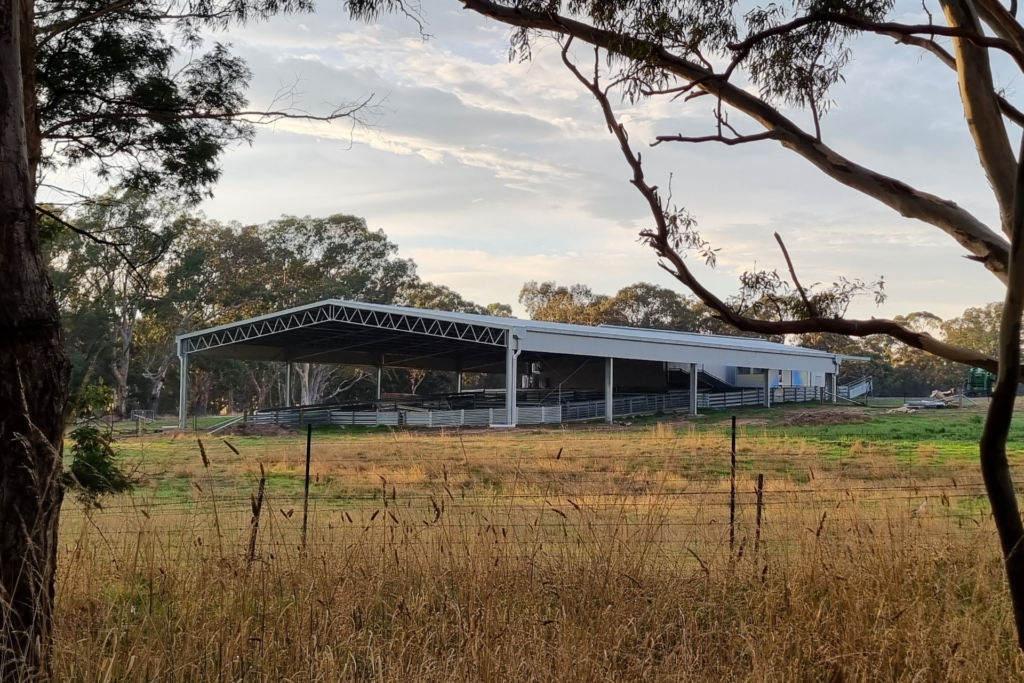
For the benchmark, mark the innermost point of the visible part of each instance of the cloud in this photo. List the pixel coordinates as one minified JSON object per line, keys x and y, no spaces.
{"x":490,"y":172}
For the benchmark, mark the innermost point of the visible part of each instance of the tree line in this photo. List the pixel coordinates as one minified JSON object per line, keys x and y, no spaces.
{"x":175,"y":272}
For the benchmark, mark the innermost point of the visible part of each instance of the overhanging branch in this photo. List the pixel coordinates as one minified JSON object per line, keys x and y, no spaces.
{"x":1005,"y":106}
{"x":725,"y":140}
{"x":743,"y":47}
{"x":982,"y":242}
{"x":662,"y":240}
{"x":255,"y":116}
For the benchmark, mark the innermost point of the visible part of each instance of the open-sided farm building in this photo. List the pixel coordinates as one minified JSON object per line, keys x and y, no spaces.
{"x":559,"y":372}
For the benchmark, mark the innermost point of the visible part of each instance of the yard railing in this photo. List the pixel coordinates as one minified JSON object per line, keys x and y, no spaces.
{"x":796,"y":394}
{"x":854,"y":388}
{"x":623,"y":406}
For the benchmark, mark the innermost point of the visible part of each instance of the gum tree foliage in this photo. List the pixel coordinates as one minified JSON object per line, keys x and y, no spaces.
{"x":113,"y":285}
{"x":211,"y":274}
{"x":638,"y":305}
{"x":442,"y":298}
{"x":127,"y":92}
{"x":766,"y":70}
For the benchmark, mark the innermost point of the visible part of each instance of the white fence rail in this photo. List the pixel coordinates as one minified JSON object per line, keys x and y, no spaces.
{"x":858,"y":387}
{"x":479,"y":417}
{"x":731,"y":399}
{"x":627,"y":405}
{"x":532,"y":414}
{"x":796,"y":394}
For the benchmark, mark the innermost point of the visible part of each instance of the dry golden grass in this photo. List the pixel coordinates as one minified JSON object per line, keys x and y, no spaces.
{"x":547,"y":555}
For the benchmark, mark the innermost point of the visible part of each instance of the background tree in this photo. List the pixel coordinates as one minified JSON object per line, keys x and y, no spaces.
{"x":337,"y":257}
{"x":758,"y":63}
{"x":657,"y":308}
{"x":638,"y":305}
{"x":441,"y":298}
{"x":213,"y":274}
{"x":116,"y":284}
{"x":977,"y":328}
{"x":576,"y":304}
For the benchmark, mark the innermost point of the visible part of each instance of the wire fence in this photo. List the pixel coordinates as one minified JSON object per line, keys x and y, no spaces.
{"x":696,"y":491}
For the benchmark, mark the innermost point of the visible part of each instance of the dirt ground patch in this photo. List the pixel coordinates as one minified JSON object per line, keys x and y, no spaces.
{"x":748,"y":422}
{"x":810,"y":418}
{"x":245,"y":429}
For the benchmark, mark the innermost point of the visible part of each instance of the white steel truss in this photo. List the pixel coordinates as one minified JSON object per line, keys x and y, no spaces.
{"x":334,"y":312}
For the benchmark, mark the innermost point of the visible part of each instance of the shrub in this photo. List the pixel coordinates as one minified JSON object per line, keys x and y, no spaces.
{"x":95,"y":470}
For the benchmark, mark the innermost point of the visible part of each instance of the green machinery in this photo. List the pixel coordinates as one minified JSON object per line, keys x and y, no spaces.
{"x":979,"y":382}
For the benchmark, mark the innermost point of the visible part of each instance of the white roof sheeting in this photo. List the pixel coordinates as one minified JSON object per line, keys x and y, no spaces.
{"x":489,"y":331}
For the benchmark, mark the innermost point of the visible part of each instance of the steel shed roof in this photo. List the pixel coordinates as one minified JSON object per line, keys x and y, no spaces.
{"x":432,"y":334}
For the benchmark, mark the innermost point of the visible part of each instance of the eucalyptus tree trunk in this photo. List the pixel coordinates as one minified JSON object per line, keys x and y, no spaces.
{"x":34,"y":374}
{"x":995,"y":468}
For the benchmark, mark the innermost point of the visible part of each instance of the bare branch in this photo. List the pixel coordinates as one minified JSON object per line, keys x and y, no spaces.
{"x":995,"y":467}
{"x":1002,"y":23}
{"x":981,"y":110}
{"x":811,"y":310}
{"x":661,"y":240}
{"x":738,"y":140}
{"x":83,"y":233}
{"x":261,"y":117}
{"x":116,"y":246}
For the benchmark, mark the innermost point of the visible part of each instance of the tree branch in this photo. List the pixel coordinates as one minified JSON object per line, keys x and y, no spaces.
{"x":985,"y":244}
{"x":264,"y":117}
{"x":1002,"y":23}
{"x":116,"y":246}
{"x":1005,"y":106}
{"x":885,"y":28}
{"x":661,"y":239}
{"x":48,"y":32}
{"x":995,"y":467}
{"x":811,"y":310}
{"x":738,"y":140}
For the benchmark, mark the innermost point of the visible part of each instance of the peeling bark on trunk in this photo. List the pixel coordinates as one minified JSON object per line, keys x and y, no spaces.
{"x":34,"y":373}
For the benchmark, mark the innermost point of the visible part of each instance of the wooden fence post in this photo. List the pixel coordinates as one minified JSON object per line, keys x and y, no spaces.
{"x":257,"y":508}
{"x":732,"y":489}
{"x":760,"y":506}
{"x":305,"y":499}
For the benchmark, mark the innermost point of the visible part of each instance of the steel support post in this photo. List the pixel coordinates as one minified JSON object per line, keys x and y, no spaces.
{"x":609,"y":390}
{"x":183,"y":391}
{"x":511,"y":379}
{"x":693,"y":389}
{"x":833,"y":386}
{"x":288,"y":385}
{"x":767,"y":388}
{"x":380,"y":380}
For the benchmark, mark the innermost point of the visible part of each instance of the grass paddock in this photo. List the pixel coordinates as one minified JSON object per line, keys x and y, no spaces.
{"x":575,"y":554}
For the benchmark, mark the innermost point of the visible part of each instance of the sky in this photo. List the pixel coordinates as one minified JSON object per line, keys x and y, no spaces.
{"x":489,"y":173}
